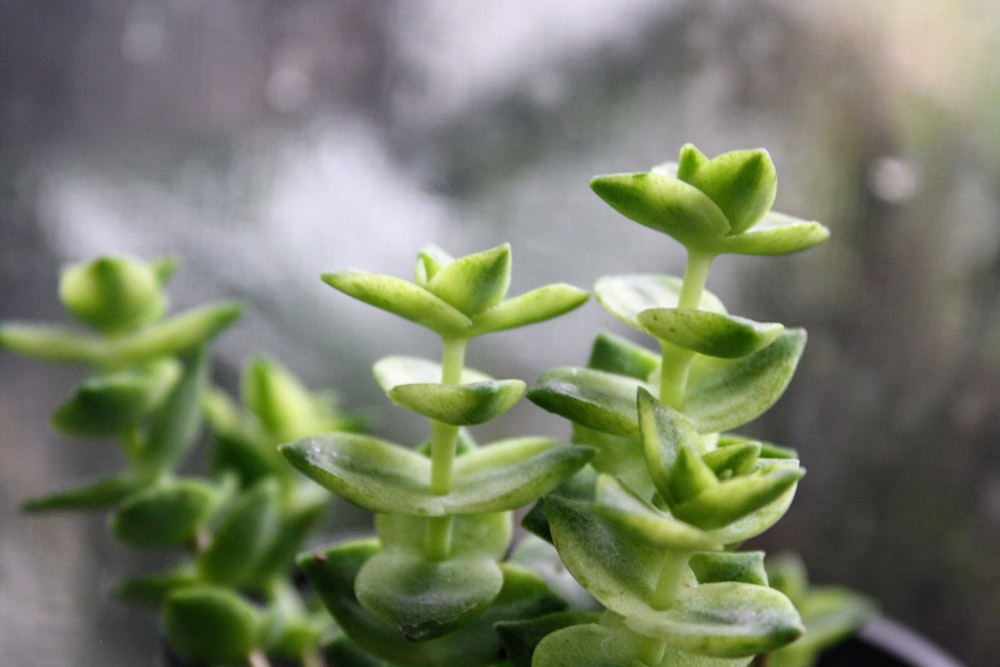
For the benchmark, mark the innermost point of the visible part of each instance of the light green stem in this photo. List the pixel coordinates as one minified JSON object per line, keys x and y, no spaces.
{"x":669,"y":582}
{"x":675,"y":362}
{"x":651,"y":651}
{"x":444,"y":438}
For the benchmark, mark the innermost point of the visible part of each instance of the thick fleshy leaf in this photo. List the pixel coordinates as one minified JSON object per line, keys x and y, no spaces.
{"x":627,"y":296}
{"x":243,"y":537}
{"x":619,"y":456}
{"x":723,"y":394}
{"x":537,"y":305}
{"x":777,"y":234}
{"x":430,"y":260}
{"x":52,"y":343}
{"x":743,"y":566}
{"x":393,"y":371}
{"x":614,"y":354}
{"x":277,"y":398}
{"x":521,"y":637}
{"x":713,"y":334}
{"x":726,"y":619}
{"x":664,"y":433}
{"x":665,"y":204}
{"x":612,"y":644}
{"x":162,"y":516}
{"x":383,"y":477}
{"x":172,"y":337}
{"x":151,"y":590}
{"x":615,"y":554}
{"x":425,"y":599}
{"x":113,"y":295}
{"x":742,"y":183}
{"x":539,"y":556}
{"x":690,"y":478}
{"x":106,"y":405}
{"x":734,"y":499}
{"x":830,"y":615}
{"x":210,"y":625}
{"x":733,"y":460}
{"x":474,"y":536}
{"x":595,"y":399}
{"x":764,"y":517}
{"x":475,"y":282}
{"x":401,"y":298}
{"x":333,"y":571}
{"x":101,"y":494}
{"x":459,"y":405}
{"x":175,"y":427}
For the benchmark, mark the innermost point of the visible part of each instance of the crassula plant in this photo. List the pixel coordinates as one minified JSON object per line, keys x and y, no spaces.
{"x":632,"y":555}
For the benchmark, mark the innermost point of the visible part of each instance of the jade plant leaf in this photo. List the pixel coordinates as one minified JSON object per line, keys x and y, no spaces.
{"x":171,"y":337}
{"x":595,"y":399}
{"x":106,"y":405}
{"x":627,"y":296}
{"x":243,"y":536}
{"x":723,"y":619}
{"x":333,"y":572}
{"x":114,"y":295}
{"x":723,"y":394}
{"x":742,"y":183}
{"x":383,"y":477}
{"x":665,"y":432}
{"x":430,"y":260}
{"x":424,"y":599}
{"x":729,"y":501}
{"x":52,"y":343}
{"x":393,"y":371}
{"x":473,"y":283}
{"x":617,"y":555}
{"x":165,"y":515}
{"x":175,"y":427}
{"x":402,"y":298}
{"x":665,"y":204}
{"x":211,"y":625}
{"x":614,"y":354}
{"x":459,"y":405}
{"x":746,"y":567}
{"x":712,"y":334}
{"x":151,"y":590}
{"x":537,"y":305}
{"x":277,"y":399}
{"x":777,"y":234}
{"x":100,"y":494}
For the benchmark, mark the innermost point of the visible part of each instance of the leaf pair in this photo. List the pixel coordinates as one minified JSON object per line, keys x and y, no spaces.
{"x":461,"y":298}
{"x":711,"y":206}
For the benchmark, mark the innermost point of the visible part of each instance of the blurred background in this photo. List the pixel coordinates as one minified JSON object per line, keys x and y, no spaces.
{"x":264,"y":142}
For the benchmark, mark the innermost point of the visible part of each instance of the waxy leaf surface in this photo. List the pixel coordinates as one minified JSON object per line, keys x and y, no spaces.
{"x":459,"y":405}
{"x":712,"y":334}
{"x":475,"y":282}
{"x":595,"y":399}
{"x":627,"y":296}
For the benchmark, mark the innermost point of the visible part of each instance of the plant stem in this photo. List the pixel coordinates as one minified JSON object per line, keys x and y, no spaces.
{"x":651,"y":651}
{"x":676,"y":361}
{"x":444,"y":438}
{"x":669,"y":582}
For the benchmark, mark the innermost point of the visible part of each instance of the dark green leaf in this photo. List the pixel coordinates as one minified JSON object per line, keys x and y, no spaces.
{"x":210,"y":625}
{"x":165,"y":515}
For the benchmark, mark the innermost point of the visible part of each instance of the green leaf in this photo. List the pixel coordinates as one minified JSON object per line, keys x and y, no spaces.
{"x":539,"y":556}
{"x":152,"y":590}
{"x":537,"y":305}
{"x":473,"y":536}
{"x":332,"y":572}
{"x":51,"y":343}
{"x":106,"y":405}
{"x":665,"y":204}
{"x":723,"y":394}
{"x":746,"y":567}
{"x":742,"y":183}
{"x":521,"y":637}
{"x":277,"y":398}
{"x":176,"y":426}
{"x":689,"y":162}
{"x":726,"y":619}
{"x":734,"y":499}
{"x":601,"y":401}
{"x":101,"y":494}
{"x":459,"y":405}
{"x":243,"y":537}
{"x":665,"y":432}
{"x":393,"y":371}
{"x":210,"y":625}
{"x":383,"y":477}
{"x":401,"y":298}
{"x":474,"y":283}
{"x":627,"y":296}
{"x":777,"y":234}
{"x":166,"y":515}
{"x":113,"y":295}
{"x":733,"y":460}
{"x":713,"y":334}
{"x":430,"y":260}
{"x":614,"y":354}
{"x":617,"y":555}
{"x":690,"y":478}
{"x":177,"y":335}
{"x":424,"y":599}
